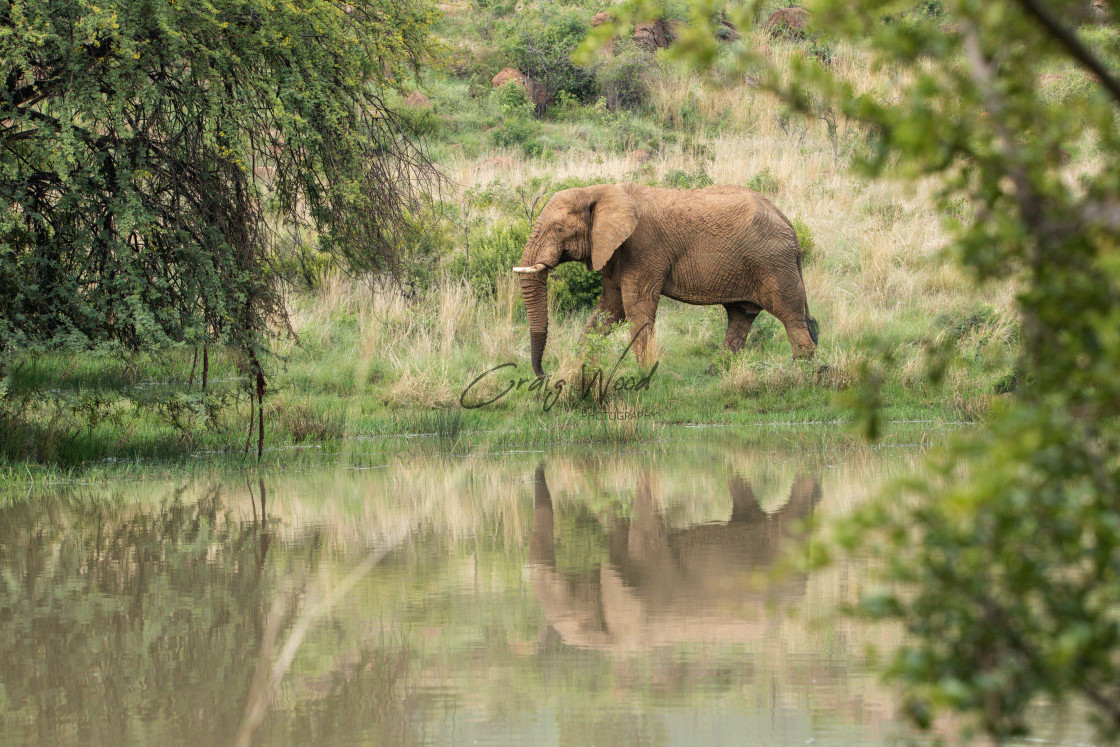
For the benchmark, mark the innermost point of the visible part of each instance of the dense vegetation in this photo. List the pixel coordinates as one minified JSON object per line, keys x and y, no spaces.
{"x":161,"y":160}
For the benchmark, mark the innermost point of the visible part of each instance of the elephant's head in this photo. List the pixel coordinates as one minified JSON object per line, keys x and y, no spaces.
{"x":586,"y":224}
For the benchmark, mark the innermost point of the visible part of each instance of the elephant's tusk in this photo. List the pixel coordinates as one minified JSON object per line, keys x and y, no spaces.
{"x":531,"y":270}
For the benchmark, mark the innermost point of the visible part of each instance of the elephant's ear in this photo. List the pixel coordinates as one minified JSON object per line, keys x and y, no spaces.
{"x":614,"y":216}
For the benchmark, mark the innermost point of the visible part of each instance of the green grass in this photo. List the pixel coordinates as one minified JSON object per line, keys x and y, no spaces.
{"x":364,"y":371}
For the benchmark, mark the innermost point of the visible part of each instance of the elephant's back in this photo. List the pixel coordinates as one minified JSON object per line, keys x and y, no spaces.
{"x":724,"y":214}
{"x":731,"y":243}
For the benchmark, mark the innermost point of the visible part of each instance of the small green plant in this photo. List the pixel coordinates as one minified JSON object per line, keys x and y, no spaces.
{"x":764,"y":183}
{"x":804,"y":240}
{"x":723,"y":360}
{"x":444,"y":424}
{"x":419,"y":122}
{"x":765,"y":330}
{"x":513,"y":100}
{"x":681,"y":179}
{"x":821,"y":50}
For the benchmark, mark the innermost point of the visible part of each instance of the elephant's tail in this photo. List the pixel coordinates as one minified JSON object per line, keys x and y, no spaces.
{"x":810,"y":322}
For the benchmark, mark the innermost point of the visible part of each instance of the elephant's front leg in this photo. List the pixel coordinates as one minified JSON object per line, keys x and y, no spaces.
{"x":609,"y":311}
{"x":639,"y":302}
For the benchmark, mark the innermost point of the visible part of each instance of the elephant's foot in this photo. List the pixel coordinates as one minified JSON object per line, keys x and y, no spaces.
{"x":802,"y":344}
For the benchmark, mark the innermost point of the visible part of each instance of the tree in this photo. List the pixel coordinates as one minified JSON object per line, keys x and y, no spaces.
{"x":152,"y":152}
{"x":1005,"y":564}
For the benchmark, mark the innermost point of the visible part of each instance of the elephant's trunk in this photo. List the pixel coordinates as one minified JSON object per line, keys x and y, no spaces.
{"x":534,"y":288}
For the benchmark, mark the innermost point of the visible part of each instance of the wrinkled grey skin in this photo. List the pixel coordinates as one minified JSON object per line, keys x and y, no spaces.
{"x":667,"y":585}
{"x":719,"y":245}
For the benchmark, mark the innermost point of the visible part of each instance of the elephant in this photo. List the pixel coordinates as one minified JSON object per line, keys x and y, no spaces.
{"x":665,"y":586}
{"x":717,"y":245}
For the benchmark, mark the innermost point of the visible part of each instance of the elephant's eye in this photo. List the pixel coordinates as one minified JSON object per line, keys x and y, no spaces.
{"x":559,"y":229}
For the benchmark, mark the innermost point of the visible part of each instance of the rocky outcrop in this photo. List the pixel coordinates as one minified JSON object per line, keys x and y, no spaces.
{"x":417,"y":100}
{"x":1100,"y":12}
{"x":653,"y":35}
{"x":600,"y":18}
{"x":536,"y":93}
{"x":794,"y":18}
{"x":508,"y":75}
{"x":725,"y":31}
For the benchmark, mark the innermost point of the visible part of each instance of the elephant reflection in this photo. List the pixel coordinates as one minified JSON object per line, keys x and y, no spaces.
{"x":664,"y":586}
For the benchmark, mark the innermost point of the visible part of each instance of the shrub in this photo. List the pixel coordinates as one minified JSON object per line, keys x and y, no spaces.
{"x":764,"y":183}
{"x":681,"y":179}
{"x":419,"y":122}
{"x":805,"y":239}
{"x":517,"y":127}
{"x":492,"y":256}
{"x":822,"y":50}
{"x":494,"y":7}
{"x":574,"y":287}
{"x":621,"y":131}
{"x":622,"y":78}
{"x":543,"y":51}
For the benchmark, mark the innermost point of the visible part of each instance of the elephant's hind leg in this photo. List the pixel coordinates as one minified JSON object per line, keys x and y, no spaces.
{"x":800,"y":341}
{"x":788,"y":305}
{"x":740,"y":317}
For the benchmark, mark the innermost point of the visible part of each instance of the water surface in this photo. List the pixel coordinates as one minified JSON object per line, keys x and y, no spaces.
{"x":576,"y":596}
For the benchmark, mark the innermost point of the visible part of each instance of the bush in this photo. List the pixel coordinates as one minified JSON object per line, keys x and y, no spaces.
{"x":517,"y":127}
{"x":574,"y":287}
{"x":822,"y":50}
{"x":543,"y":51}
{"x":764,"y":183}
{"x":805,"y":239}
{"x":622,"y":131}
{"x":622,"y":78}
{"x":681,"y":179}
{"x":420,"y":123}
{"x":493,"y":255}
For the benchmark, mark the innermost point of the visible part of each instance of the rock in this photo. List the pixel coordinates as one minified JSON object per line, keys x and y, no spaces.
{"x":726,"y":32}
{"x":1100,"y":11}
{"x":600,"y":18}
{"x":507,"y":75}
{"x":641,"y":155}
{"x":653,"y":35}
{"x":795,"y":18}
{"x":417,"y":100}
{"x":537,"y":94}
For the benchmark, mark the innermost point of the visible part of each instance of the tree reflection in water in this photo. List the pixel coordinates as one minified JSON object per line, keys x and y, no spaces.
{"x":131,"y":626}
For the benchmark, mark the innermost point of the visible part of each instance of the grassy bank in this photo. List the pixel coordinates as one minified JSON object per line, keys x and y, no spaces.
{"x":371,"y":364}
{"x":375,"y":363}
